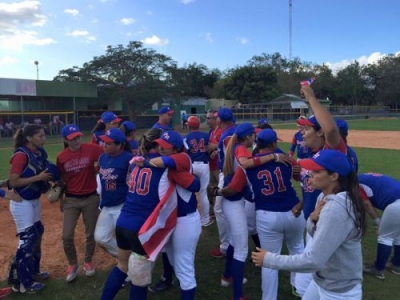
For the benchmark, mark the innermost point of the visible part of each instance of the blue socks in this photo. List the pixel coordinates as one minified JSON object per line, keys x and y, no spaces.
{"x":168,"y":269}
{"x":188,"y":294}
{"x":382,"y":256}
{"x":138,"y":292}
{"x":237,"y":274}
{"x":228,"y":262}
{"x":113,"y":284}
{"x":396,"y":256}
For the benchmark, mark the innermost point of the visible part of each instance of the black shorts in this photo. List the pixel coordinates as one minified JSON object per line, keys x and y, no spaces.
{"x":129,"y":240}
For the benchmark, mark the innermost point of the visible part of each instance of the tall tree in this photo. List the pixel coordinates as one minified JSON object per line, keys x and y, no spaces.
{"x":133,"y":73}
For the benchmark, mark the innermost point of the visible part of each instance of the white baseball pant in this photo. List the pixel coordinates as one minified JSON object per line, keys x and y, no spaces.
{"x":272,"y":228}
{"x":220,"y":218}
{"x":181,"y":249}
{"x":389,"y":227}
{"x":104,"y":233}
{"x":203,"y":171}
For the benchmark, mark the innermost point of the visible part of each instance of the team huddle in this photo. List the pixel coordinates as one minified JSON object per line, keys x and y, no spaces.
{"x":141,"y":200}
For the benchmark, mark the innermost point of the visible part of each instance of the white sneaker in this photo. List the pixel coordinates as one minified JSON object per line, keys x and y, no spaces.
{"x":228,"y":281}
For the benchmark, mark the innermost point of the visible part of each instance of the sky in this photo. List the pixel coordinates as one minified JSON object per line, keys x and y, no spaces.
{"x":217,"y":33}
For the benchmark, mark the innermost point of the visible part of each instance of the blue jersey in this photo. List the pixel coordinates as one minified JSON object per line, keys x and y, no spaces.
{"x":353,"y":158}
{"x":113,"y":172}
{"x":385,"y":190}
{"x":36,"y":164}
{"x":196,"y":142}
{"x":223,"y":143}
{"x":96,"y":137}
{"x":167,"y":127}
{"x":134,"y":147}
{"x":272,"y":186}
{"x":298,"y":146}
{"x":145,"y":188}
{"x":310,"y":195}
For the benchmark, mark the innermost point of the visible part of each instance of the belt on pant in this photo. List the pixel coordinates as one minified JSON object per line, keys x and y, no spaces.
{"x":79,"y":196}
{"x":200,"y":162}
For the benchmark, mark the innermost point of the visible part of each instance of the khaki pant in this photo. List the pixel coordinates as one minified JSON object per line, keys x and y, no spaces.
{"x":73,"y":208}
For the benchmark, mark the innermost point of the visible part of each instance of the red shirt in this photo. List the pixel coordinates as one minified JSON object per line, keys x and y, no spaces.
{"x":78,"y":170}
{"x":19,"y":161}
{"x":215,"y":135}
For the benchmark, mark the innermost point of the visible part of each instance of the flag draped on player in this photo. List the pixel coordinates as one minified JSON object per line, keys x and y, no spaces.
{"x":158,"y":227}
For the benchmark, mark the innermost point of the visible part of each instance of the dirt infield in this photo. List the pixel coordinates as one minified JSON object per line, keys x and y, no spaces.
{"x":54,"y":259}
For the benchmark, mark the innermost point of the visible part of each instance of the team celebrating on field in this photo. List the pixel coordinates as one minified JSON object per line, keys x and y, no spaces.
{"x":152,"y":198}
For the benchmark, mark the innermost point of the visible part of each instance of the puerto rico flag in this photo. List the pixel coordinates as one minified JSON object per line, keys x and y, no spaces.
{"x":307,"y":82}
{"x":157,"y":229}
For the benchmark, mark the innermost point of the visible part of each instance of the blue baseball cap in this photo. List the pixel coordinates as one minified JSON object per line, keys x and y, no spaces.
{"x":263,"y":121}
{"x":165,"y":110}
{"x":113,"y":135}
{"x":71,"y":131}
{"x":129,"y":126}
{"x":330,"y":160}
{"x":311,"y":121}
{"x":109,"y":117}
{"x":343,"y":126}
{"x":226,"y":115}
{"x":244,"y":129}
{"x":170,"y":139}
{"x":267,"y":136}
{"x":54,"y":171}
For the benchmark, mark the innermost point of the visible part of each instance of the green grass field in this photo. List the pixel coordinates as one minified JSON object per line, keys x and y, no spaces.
{"x":209,"y":269}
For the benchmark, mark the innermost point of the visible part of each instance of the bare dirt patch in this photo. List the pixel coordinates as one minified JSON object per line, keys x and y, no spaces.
{"x":360,"y":138}
{"x":54,"y":260}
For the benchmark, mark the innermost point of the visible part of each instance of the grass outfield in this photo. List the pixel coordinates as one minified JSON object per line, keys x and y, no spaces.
{"x":209,"y":269}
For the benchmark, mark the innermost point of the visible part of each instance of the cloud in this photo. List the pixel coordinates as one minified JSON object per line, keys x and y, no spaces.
{"x":82,"y":33}
{"x":6,"y":60}
{"x":209,"y":38}
{"x":127,"y":21}
{"x":242,"y":40}
{"x":187,"y":1}
{"x":363,"y":60}
{"x":74,"y":12}
{"x":16,"y":22}
{"x":155,"y":40}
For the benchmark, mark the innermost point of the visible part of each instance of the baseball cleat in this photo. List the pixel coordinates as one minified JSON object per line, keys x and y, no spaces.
{"x":228,"y":281}
{"x":371,"y":270}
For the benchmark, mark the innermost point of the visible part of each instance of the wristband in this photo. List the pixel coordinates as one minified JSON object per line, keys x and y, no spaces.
{"x":146,"y":163}
{"x":216,"y":192}
{"x":276,"y":157}
{"x":257,"y":161}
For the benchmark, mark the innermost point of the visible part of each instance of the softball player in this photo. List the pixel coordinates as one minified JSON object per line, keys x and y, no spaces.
{"x":196,"y":143}
{"x":114,"y":164}
{"x":319,"y":132}
{"x":278,"y":209}
{"x":181,"y":248}
{"x":146,"y":186}
{"x":297,"y":146}
{"x":337,"y":226}
{"x":107,"y":120}
{"x":344,"y":130}
{"x":383,"y":192}
{"x":164,"y":119}
{"x":28,"y":176}
{"x":129,"y":129}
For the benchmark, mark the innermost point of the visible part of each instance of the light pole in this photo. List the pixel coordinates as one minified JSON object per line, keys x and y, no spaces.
{"x":290,"y":29}
{"x":37,"y":69}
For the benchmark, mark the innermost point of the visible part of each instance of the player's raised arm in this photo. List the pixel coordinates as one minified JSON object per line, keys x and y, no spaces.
{"x":324,"y":118}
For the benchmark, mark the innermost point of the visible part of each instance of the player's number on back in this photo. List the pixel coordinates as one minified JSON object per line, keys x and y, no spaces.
{"x":269,"y":186}
{"x":197,"y":146}
{"x":139,"y":181}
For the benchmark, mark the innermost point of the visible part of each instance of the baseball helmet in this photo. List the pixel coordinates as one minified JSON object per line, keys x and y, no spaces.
{"x":193,"y":121}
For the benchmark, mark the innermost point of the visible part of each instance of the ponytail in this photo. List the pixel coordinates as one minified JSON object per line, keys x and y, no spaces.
{"x":228,"y":168}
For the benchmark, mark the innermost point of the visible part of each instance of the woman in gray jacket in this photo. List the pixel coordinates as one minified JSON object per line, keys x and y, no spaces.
{"x":337,"y":226}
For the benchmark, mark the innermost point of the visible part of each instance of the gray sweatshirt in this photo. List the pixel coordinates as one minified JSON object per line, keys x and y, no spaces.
{"x":335,"y":256}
